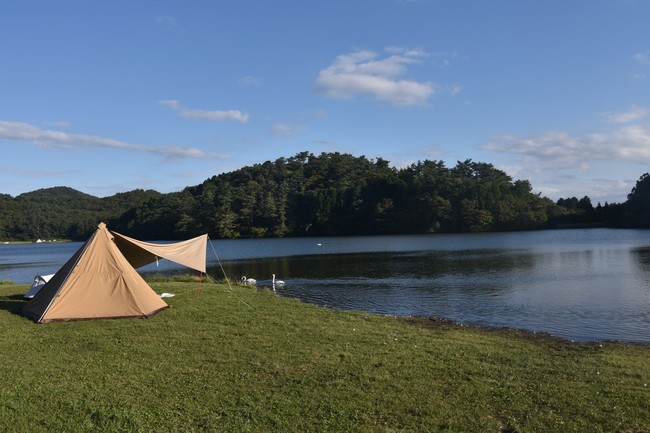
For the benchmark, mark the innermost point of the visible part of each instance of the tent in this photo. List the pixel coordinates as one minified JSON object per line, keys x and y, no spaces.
{"x":39,"y":282}
{"x":100,"y":281}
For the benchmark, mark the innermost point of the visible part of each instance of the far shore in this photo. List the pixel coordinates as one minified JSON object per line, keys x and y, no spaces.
{"x":37,"y":241}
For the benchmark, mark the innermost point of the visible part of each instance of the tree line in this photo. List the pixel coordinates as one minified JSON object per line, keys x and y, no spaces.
{"x":319,"y":195}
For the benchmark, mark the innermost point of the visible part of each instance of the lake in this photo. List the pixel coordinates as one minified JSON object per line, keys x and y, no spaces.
{"x":582,"y":285}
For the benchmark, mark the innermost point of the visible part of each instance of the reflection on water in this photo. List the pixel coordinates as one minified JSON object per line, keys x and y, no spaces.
{"x":576,"y":284}
{"x":642,"y":257}
{"x":577,"y":290}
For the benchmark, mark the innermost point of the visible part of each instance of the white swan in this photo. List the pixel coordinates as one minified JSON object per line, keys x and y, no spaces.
{"x":248,"y":281}
{"x":278,"y":283}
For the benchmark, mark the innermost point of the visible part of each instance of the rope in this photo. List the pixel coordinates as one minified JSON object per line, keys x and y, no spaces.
{"x":214,"y":280}
{"x":225,"y":276}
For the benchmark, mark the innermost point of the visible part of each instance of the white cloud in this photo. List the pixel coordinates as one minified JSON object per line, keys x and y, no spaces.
{"x":455,"y":89}
{"x":410,"y":52}
{"x":284,"y":130}
{"x":599,"y":190}
{"x":633,"y":114}
{"x":200,"y":114}
{"x":20,"y":131}
{"x":166,"y":21}
{"x":611,"y":153}
{"x":249,"y":81}
{"x":633,"y":143}
{"x":643,"y":58}
{"x":171,"y":103}
{"x":215,"y":115}
{"x":365,"y":73}
{"x":558,"y":149}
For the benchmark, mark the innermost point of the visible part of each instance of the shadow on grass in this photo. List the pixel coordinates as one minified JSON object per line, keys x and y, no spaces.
{"x":13,"y":304}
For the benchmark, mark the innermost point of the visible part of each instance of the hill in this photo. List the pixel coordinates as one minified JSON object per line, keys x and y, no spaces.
{"x":57,"y":194}
{"x":326,"y":194}
{"x":63,"y":212}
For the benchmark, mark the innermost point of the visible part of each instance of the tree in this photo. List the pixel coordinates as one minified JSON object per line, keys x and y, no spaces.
{"x":585,"y":204}
{"x":637,"y":207}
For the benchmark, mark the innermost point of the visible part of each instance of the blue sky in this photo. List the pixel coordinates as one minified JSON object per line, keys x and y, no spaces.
{"x":107,"y":97}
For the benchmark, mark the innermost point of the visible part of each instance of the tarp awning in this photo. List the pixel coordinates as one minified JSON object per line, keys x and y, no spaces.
{"x":190,"y":253}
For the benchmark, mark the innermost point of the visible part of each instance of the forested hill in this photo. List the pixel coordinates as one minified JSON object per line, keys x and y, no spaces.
{"x":63,"y":213}
{"x":306,"y":195}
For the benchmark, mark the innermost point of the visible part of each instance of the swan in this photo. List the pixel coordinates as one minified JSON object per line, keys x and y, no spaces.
{"x":278,"y":283}
{"x":248,"y":281}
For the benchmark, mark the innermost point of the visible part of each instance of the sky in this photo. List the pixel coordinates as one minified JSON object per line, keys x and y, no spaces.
{"x":108,"y":97}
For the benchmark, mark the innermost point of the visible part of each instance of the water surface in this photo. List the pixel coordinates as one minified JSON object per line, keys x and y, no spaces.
{"x":576,"y":284}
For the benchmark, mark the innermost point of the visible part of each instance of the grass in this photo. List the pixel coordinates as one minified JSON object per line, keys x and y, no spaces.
{"x":249,"y":361}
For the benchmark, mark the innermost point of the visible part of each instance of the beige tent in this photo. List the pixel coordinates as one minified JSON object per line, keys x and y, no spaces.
{"x":99,"y":280}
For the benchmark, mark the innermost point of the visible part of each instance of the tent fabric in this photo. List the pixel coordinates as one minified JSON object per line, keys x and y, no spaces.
{"x":98,"y":282}
{"x":38,"y":305}
{"x":190,"y":253}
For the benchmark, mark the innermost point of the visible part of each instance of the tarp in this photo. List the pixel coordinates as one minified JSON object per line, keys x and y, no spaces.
{"x":190,"y":253}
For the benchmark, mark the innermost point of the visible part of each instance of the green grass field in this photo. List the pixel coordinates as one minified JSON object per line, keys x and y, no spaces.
{"x":250,"y":361}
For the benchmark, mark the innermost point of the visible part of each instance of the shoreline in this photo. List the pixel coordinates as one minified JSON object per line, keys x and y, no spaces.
{"x":441,"y":323}
{"x":431,"y":322}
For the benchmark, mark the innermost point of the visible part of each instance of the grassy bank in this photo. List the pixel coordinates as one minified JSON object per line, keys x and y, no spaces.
{"x":251,"y":361}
